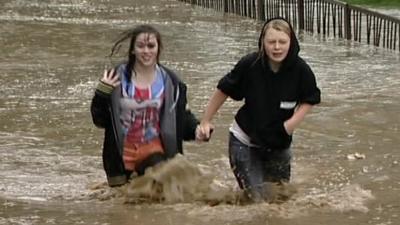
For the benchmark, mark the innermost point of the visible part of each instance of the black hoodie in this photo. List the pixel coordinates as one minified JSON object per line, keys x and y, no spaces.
{"x":270,"y":98}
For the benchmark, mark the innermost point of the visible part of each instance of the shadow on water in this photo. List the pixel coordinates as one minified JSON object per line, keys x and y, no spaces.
{"x":346,"y":158}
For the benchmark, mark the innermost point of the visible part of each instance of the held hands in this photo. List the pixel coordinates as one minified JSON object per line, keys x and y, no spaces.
{"x":110,"y":78}
{"x":204,"y":131}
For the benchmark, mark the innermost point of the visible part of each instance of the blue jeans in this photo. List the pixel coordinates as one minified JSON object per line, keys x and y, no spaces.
{"x":254,"y":167}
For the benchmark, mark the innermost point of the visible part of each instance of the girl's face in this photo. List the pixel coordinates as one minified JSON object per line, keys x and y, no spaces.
{"x":146,"y":49}
{"x":276,"y":45}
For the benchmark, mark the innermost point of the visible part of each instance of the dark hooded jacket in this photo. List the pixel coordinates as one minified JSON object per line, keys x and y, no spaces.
{"x":270,"y":98}
{"x":176,"y":122}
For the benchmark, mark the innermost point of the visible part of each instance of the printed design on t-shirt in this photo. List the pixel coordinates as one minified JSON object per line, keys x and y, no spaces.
{"x":140,"y":109}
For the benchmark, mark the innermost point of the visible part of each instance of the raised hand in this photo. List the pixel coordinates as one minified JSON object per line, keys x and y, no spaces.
{"x":110,"y":77}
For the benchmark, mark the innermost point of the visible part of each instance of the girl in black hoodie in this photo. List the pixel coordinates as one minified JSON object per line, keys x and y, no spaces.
{"x":279,"y":89}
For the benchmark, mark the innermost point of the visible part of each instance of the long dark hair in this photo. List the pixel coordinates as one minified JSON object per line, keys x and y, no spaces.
{"x":132,"y":35}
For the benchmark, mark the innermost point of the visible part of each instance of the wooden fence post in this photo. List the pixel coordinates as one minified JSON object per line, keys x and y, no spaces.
{"x":261,"y":10}
{"x":300,"y":7}
{"x":347,"y":21}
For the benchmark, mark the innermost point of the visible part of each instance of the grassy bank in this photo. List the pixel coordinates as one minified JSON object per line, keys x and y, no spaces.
{"x":382,"y":3}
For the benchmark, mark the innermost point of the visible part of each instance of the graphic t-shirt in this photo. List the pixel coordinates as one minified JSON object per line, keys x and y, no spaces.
{"x":140,"y":109}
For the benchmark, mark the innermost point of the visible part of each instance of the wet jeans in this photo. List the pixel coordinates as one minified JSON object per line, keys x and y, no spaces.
{"x":254,"y":167}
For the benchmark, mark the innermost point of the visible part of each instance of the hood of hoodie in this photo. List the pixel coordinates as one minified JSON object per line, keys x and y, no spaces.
{"x":294,"y":47}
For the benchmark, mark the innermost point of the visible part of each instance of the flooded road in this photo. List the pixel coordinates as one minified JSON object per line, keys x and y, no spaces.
{"x":346,"y":153}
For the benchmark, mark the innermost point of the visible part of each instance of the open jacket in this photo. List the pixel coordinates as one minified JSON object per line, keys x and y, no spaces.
{"x":176,"y":122}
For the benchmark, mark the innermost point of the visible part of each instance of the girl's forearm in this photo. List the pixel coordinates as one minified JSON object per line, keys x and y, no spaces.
{"x":215,"y":102}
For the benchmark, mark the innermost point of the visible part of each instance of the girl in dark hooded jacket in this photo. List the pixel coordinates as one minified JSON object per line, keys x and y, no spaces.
{"x":279,"y":89}
{"x":141,"y":105}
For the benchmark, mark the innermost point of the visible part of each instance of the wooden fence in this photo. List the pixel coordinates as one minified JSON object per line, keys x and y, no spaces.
{"x":326,"y":17}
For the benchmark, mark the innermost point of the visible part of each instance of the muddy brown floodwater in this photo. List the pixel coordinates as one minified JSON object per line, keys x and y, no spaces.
{"x":346,"y":152}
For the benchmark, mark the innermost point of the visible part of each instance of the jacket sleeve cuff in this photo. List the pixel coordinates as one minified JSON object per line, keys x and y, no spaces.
{"x":104,"y":88}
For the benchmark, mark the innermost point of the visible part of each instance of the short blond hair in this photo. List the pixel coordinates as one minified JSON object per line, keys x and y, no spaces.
{"x":278,"y":24}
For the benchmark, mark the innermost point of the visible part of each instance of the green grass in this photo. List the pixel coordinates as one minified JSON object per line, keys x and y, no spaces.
{"x":383,"y":3}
